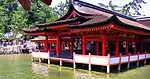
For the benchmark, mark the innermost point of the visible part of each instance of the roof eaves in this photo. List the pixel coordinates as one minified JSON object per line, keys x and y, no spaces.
{"x":85,"y":24}
{"x":129,"y":25}
{"x":56,"y":22}
{"x":104,"y":10}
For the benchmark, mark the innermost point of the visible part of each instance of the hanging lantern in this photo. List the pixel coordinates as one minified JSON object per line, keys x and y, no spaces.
{"x":25,"y":4}
{"x":124,"y":44}
{"x":133,"y":44}
{"x":106,"y":44}
{"x":80,"y":41}
{"x":92,"y":42}
{"x":47,"y":2}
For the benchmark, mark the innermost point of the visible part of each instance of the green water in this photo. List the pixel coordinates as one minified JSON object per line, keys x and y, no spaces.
{"x":21,"y":67}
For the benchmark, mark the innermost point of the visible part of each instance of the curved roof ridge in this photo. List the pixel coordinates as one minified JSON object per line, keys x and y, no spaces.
{"x":82,"y":3}
{"x":70,"y":10}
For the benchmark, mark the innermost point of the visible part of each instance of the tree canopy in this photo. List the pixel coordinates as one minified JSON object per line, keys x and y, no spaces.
{"x":14,"y":17}
{"x":131,"y":9}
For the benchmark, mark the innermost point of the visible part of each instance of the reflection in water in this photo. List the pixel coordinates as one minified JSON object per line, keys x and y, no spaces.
{"x":66,"y":73}
{"x":86,"y":75}
{"x":62,"y":72}
{"x":21,"y":67}
{"x":40,"y":69}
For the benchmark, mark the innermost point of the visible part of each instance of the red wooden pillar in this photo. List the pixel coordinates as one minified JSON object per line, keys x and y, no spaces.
{"x":127,"y":46}
{"x":103,"y":36}
{"x":58,"y":46}
{"x":134,"y":47}
{"x":117,"y":48}
{"x":83,"y":45}
{"x":46,"y":44}
{"x":97,"y":48}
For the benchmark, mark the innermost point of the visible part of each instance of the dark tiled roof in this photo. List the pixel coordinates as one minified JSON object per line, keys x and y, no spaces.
{"x":92,"y":20}
{"x":82,"y":3}
{"x":97,"y":20}
{"x":56,"y":22}
{"x":145,"y":22}
{"x":66,"y":21}
{"x":31,"y":29}
{"x":134,"y":24}
{"x":144,"y":18}
{"x":70,"y":10}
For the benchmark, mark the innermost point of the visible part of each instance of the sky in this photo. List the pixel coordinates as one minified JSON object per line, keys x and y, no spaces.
{"x":144,"y":10}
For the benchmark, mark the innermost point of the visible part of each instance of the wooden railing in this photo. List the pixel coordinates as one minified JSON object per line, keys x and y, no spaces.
{"x":40,"y":54}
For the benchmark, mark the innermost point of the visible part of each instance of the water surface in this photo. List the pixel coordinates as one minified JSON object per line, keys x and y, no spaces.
{"x":21,"y":67}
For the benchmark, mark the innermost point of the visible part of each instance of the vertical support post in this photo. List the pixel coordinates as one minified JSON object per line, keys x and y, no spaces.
{"x":128,"y":65}
{"x":138,"y":60}
{"x":48,"y":60}
{"x":60,"y":62}
{"x":145,"y":58}
{"x":117,"y":48}
{"x":119,"y":67}
{"x":39,"y":60}
{"x":97,"y":48}
{"x":127,"y":46}
{"x":108,"y":65}
{"x":58,"y":46}
{"x":49,"y":57}
{"x":74,"y":63}
{"x":103,"y":36}
{"x":89,"y":61}
{"x":32,"y":59}
{"x":46,"y":44}
{"x":83,"y":45}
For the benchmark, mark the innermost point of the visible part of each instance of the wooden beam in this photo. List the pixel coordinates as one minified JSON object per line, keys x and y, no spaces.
{"x":36,"y":34}
{"x":123,"y":29}
{"x":57,"y":26}
{"x":93,"y":29}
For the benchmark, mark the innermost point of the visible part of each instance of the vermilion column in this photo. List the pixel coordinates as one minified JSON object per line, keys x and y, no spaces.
{"x":117,"y":48}
{"x":103,"y":36}
{"x":127,"y":46}
{"x":83,"y":45}
{"x":97,"y":48}
{"x":46,"y":44}
{"x":58,"y":46}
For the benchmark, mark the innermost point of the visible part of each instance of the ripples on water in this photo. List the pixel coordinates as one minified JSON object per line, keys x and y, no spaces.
{"x":21,"y":67}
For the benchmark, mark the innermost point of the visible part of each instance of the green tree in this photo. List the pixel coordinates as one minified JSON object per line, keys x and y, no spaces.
{"x":130,"y":9}
{"x":61,"y":8}
{"x":14,"y":17}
